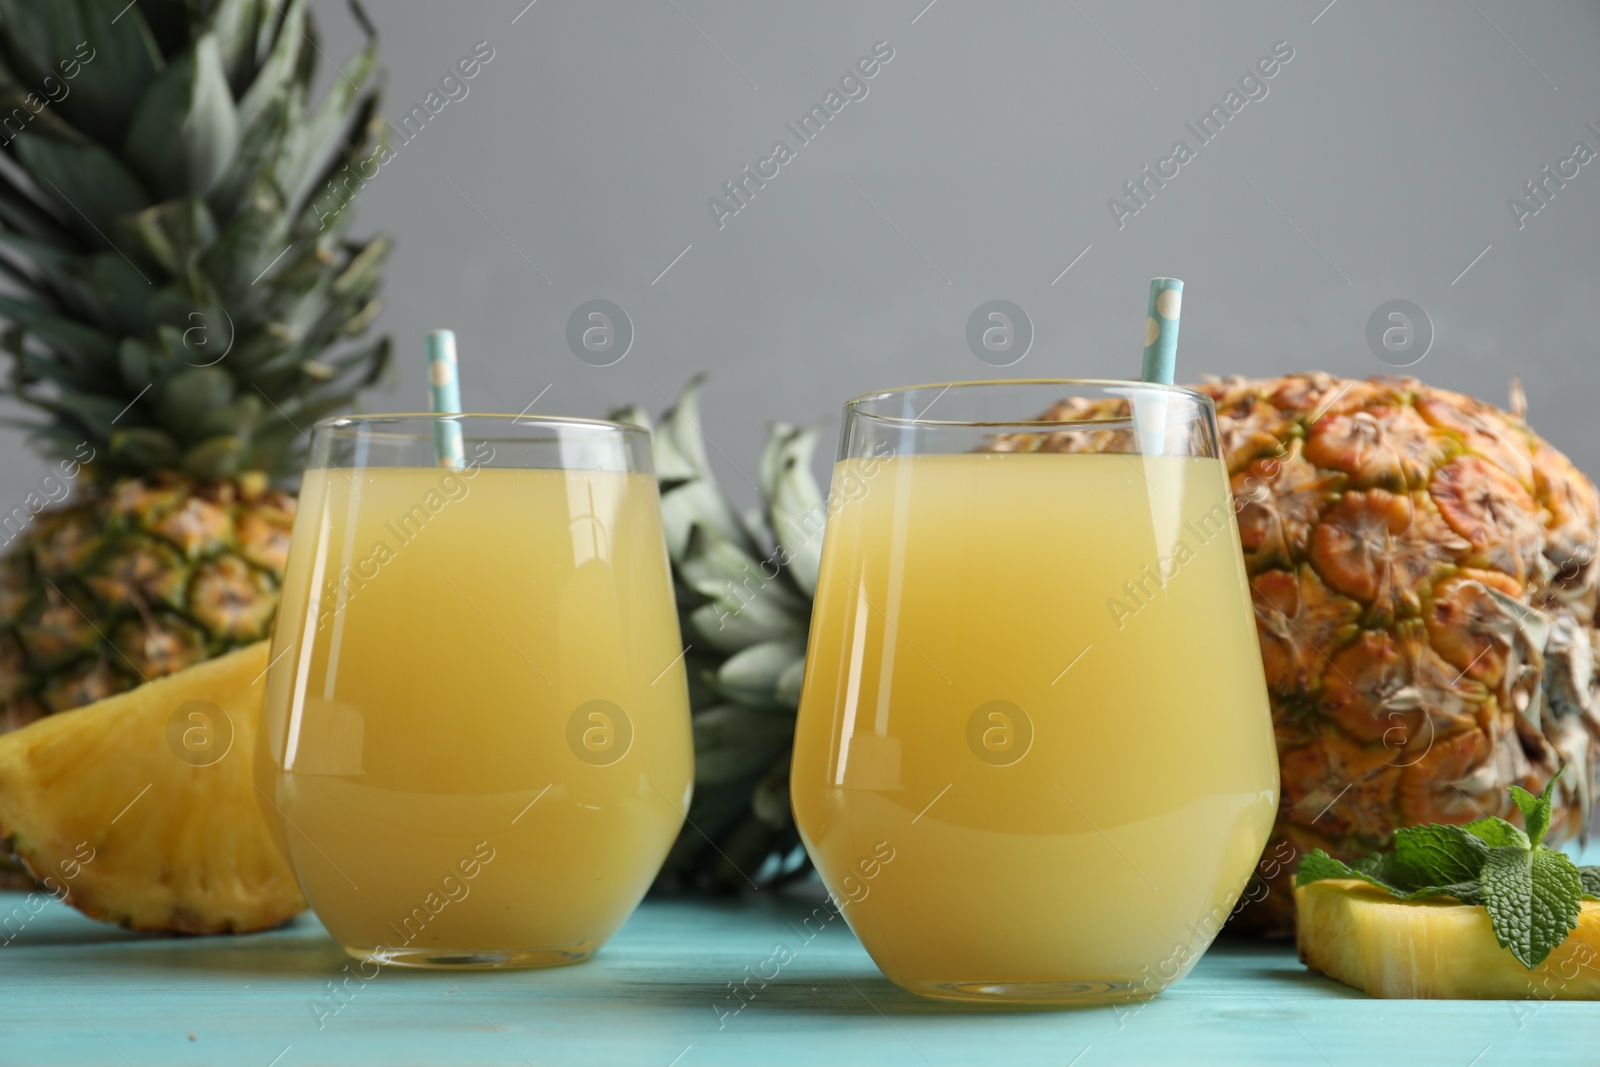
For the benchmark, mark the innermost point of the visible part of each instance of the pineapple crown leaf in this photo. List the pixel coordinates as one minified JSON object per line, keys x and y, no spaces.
{"x":178,"y":204}
{"x":680,"y":450}
{"x":796,"y":511}
{"x":632,"y":414}
{"x":744,"y":585}
{"x":746,"y":619}
{"x":1532,"y":893}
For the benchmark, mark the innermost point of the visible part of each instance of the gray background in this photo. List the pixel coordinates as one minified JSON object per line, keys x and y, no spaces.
{"x":982,"y":159}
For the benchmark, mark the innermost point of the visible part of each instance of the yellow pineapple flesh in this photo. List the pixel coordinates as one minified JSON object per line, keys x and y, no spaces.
{"x":141,"y":809}
{"x":1434,"y":949}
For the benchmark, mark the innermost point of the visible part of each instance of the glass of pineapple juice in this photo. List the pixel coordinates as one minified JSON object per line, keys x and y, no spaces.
{"x":1034,"y":760}
{"x":476,"y":748}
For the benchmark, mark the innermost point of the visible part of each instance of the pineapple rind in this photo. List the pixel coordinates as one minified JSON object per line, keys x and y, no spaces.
{"x":1434,"y":949}
{"x":135,"y":606}
{"x":1423,"y":569}
{"x":174,"y":327}
{"x":175,"y":846}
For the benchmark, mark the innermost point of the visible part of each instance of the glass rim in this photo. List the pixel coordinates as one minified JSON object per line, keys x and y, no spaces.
{"x":355,"y":423}
{"x":856,"y":406}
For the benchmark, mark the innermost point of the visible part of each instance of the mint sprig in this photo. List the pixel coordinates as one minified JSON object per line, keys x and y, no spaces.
{"x":1532,"y":892}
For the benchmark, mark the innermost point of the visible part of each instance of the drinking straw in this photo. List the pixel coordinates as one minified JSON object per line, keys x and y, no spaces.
{"x":1160,"y":360}
{"x":1161,"y":330}
{"x":444,"y":398}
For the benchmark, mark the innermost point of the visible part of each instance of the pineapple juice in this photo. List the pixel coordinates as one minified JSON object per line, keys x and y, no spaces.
{"x":1034,"y":678}
{"x":477,"y":736}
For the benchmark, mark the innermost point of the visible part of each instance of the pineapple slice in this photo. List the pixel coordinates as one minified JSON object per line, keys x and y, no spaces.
{"x":1434,"y":949}
{"x":140,"y":809}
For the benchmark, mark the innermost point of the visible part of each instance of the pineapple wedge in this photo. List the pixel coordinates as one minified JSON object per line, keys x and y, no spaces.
{"x":1433,"y":949}
{"x":140,"y":809}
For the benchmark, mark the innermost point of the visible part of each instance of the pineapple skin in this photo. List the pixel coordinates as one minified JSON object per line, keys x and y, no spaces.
{"x":1424,"y":576}
{"x":1423,"y":570}
{"x":168,"y":359}
{"x":105,"y":813}
{"x":140,"y":578}
{"x":1358,"y":934}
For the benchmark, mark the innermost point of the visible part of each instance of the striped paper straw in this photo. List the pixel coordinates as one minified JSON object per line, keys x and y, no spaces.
{"x":444,"y":398}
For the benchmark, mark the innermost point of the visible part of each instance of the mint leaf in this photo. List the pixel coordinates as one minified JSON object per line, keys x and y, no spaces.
{"x":1378,"y":869}
{"x":1557,"y":899}
{"x":1319,"y":865}
{"x":1524,"y":800}
{"x":1497,"y":833}
{"x":1466,"y":892}
{"x":1538,"y":823}
{"x":1590,"y":876}
{"x":1533,"y":900}
{"x":1438,"y":855}
{"x":1535,"y":812}
{"x":1508,"y":894}
{"x":1536,"y":809}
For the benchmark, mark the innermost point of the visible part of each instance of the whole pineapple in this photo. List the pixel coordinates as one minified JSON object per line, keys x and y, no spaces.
{"x":1422,"y":567}
{"x":178,"y":283}
{"x":744,"y":587}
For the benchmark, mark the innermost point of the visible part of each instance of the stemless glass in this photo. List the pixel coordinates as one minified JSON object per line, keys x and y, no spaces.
{"x":476,"y":746}
{"x":1034,"y":759}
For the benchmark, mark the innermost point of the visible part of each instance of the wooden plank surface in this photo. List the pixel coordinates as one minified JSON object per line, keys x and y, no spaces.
{"x":75,"y":992}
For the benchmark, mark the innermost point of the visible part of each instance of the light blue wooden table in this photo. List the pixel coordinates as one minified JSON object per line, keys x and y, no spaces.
{"x":75,"y":992}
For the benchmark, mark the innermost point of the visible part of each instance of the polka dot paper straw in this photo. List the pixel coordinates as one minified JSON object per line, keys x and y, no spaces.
{"x":1160,"y":361}
{"x":444,"y":398}
{"x":1161,"y":330}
